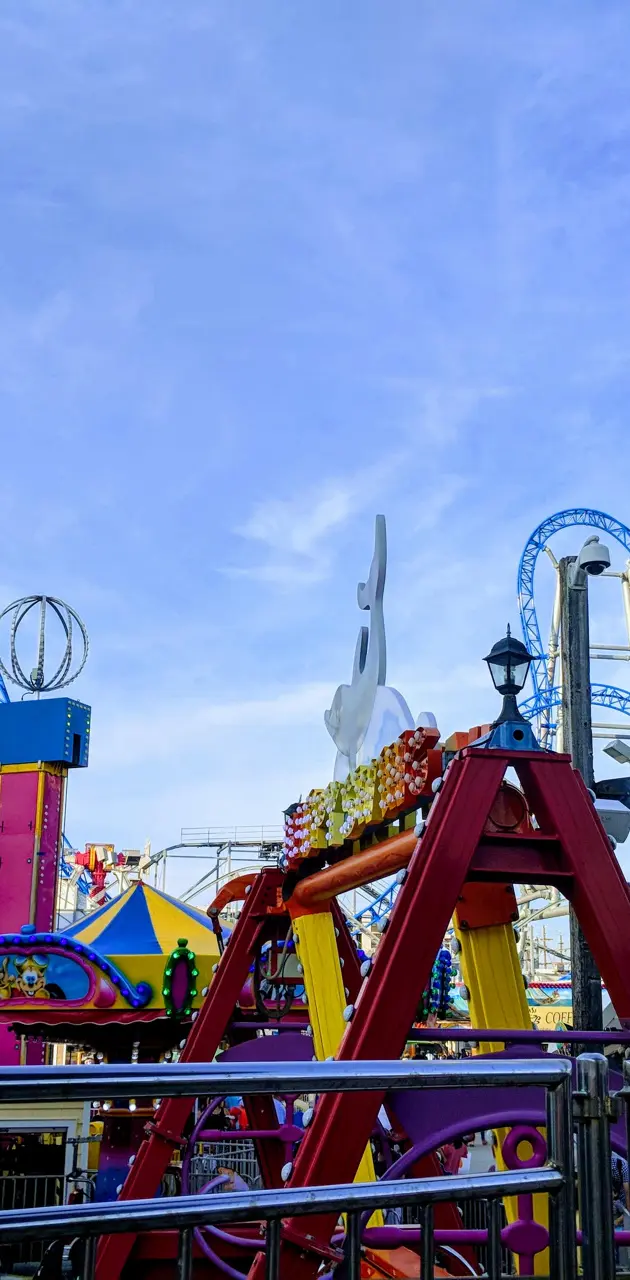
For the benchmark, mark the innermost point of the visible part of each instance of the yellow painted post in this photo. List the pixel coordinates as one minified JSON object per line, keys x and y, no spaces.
{"x":316,"y":946}
{"x":492,"y":973}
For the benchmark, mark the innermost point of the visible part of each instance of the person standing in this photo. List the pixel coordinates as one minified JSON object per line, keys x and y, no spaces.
{"x":454,"y":1154}
{"x":620,"y":1188}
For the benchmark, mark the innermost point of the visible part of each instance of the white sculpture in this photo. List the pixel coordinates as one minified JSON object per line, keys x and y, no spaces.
{"x":366,"y":715}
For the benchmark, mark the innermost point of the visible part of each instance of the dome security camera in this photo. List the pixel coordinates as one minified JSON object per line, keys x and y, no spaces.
{"x":615,"y":819}
{"x":594,"y":556}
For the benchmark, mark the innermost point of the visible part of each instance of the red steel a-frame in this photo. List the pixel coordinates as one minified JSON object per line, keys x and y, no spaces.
{"x":568,"y":849}
{"x":258,"y":920}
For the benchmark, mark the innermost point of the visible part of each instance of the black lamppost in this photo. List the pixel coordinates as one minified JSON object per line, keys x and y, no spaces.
{"x":509,"y":663}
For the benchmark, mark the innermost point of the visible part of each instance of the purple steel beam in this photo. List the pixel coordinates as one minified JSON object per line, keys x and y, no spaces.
{"x":504,"y":1035}
{"x":394,"y":1237}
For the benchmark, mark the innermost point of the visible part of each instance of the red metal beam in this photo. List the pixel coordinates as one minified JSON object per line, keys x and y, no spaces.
{"x":350,"y":962}
{"x":599,"y":892}
{"x":570,"y":848}
{"x":537,"y":862}
{"x":202,"y":1044}
{"x":389,"y":1000}
{"x":576,"y":850}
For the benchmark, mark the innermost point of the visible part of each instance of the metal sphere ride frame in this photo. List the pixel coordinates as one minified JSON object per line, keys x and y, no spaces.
{"x":70,"y":621}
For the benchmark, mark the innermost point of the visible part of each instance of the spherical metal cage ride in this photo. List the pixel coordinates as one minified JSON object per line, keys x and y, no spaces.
{"x":36,"y":682}
{"x":547,"y":696}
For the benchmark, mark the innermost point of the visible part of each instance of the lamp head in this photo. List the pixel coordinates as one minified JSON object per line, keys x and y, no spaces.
{"x":618,"y":750}
{"x":508,"y":662}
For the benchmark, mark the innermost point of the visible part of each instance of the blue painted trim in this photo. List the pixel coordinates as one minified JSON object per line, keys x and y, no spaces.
{"x":136,"y":996}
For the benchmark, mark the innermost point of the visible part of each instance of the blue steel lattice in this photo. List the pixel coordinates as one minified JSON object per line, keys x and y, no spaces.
{"x":546,"y":696}
{"x":84,"y":883}
{"x":381,"y":906}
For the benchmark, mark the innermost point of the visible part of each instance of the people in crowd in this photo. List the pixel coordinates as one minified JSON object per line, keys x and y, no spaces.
{"x":239,"y":1115}
{"x":453,"y":1154}
{"x":620,"y":1189}
{"x":221,"y":1118}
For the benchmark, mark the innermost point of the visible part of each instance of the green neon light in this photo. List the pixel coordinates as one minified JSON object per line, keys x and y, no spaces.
{"x":180,"y":954}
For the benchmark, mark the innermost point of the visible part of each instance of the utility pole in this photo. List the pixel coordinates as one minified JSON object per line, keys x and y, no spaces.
{"x":578,"y":741}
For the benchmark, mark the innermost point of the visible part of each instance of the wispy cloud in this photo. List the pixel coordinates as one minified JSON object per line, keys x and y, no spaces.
{"x":254,"y":292}
{"x":437,"y":413}
{"x":297,"y":526}
{"x":150,"y":732}
{"x":297,"y":533}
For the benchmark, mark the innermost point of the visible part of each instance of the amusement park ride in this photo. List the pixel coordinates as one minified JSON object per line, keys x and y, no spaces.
{"x":459,"y":822}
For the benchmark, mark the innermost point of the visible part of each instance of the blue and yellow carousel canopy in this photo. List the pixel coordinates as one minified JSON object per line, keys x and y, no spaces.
{"x":112,"y":964}
{"x":143,"y":921}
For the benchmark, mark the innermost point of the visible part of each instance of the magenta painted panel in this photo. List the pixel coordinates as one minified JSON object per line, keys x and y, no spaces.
{"x":18,"y":806}
{"x":48,"y":858}
{"x":51,"y":816}
{"x":35,"y":1053}
{"x":179,"y":983}
{"x":9,"y":1047}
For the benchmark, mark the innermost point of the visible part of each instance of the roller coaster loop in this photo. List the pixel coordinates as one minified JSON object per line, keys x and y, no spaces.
{"x":547,"y":696}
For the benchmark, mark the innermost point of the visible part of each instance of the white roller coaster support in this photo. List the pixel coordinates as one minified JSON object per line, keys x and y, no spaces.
{"x":554,"y":648}
{"x":625,"y":591}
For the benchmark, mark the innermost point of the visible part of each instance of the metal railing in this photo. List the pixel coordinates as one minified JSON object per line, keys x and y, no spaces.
{"x":238,"y":1156}
{"x":186,"y":1213}
{"x":29,"y":1191}
{"x":244,"y":837}
{"x":32,"y":1190}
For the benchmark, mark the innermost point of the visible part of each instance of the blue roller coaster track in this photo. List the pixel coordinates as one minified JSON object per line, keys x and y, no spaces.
{"x":84,"y":882}
{"x":547,"y":696}
{"x":380,"y":907}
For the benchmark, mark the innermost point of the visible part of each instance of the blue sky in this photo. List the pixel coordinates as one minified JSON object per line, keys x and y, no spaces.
{"x":267,"y":269}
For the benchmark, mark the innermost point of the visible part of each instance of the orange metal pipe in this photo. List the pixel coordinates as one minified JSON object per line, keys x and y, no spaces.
{"x":360,"y":868}
{"x":234,"y":891}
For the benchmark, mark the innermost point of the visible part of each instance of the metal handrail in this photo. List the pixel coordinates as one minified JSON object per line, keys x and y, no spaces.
{"x":187,"y":1212}
{"x":120,"y":1216}
{"x":193,"y":1079}
{"x":246,"y":836}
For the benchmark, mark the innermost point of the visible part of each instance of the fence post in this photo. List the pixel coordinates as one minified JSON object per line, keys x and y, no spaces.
{"x":562,"y":1250}
{"x":272,"y":1256}
{"x":595,"y":1180}
{"x":495,"y":1257}
{"x":353,"y":1247}
{"x":89,"y":1258}
{"x":185,"y":1254}
{"x":427,"y":1246}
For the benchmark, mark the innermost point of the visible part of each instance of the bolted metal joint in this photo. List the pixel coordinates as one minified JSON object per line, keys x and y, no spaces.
{"x":589,"y":1108}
